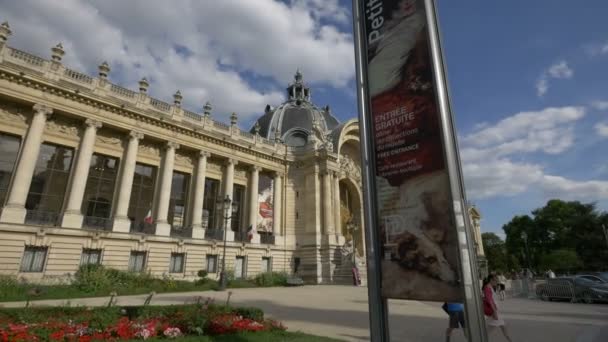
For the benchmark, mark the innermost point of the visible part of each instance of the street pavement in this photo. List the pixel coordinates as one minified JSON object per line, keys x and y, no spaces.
{"x":342,"y":312}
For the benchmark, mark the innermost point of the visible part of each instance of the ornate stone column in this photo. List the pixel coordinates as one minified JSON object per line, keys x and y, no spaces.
{"x":72,"y":217}
{"x":121,"y":221}
{"x":276,"y":203}
{"x":228,"y":191}
{"x":199,"y":194}
{"x":253,"y":201}
{"x":328,"y":220}
{"x":163,"y":228}
{"x":14,"y":211}
{"x":337,"y":206}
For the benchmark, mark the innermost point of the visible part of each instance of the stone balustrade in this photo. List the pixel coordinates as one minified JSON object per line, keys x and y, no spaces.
{"x":53,"y":71}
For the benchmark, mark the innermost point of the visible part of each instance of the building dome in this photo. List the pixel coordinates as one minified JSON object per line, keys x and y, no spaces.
{"x":295,"y":119}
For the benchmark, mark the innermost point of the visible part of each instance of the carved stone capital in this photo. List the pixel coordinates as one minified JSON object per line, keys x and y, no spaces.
{"x":41,"y":109}
{"x":93,"y":123}
{"x":256,"y":168}
{"x":277,"y":174}
{"x":136,"y":135}
{"x":232,"y":161}
{"x":172,"y":144}
{"x":204,"y":154}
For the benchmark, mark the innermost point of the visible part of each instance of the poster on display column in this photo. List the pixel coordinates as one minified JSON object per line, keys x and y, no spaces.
{"x":414,"y":205}
{"x":265,"y":204}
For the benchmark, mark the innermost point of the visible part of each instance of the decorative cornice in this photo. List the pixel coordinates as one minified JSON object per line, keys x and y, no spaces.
{"x":160,"y":120}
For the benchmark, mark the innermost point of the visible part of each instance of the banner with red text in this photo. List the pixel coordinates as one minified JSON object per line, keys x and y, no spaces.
{"x":414,"y":204}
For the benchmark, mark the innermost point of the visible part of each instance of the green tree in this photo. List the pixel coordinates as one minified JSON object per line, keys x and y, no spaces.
{"x":496,"y":252}
{"x":561,"y":260}
{"x":559,"y":225}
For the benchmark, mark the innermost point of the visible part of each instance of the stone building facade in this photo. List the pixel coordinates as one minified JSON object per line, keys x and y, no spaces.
{"x":91,"y":172}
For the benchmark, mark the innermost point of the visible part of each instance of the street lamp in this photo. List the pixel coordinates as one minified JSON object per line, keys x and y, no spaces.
{"x":228,"y":211}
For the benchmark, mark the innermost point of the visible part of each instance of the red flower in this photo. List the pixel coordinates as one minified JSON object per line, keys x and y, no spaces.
{"x":57,"y":335}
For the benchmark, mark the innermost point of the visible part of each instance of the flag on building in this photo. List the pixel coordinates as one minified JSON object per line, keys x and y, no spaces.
{"x":148,"y":218}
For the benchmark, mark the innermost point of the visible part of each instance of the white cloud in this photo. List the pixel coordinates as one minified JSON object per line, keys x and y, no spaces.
{"x":208,"y":52}
{"x":601,"y":129}
{"x":600,"y":105}
{"x":597,"y":49}
{"x":559,"y":70}
{"x":491,"y":156}
{"x":542,"y":86}
{"x":531,"y":124}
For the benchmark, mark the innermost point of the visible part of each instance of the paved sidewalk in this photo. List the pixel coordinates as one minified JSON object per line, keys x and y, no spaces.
{"x":342,"y":312}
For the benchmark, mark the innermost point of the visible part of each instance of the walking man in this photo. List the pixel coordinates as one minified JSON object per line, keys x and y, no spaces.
{"x":456,"y":313}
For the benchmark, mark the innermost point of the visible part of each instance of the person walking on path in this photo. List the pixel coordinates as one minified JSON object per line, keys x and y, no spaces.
{"x":493,"y":319}
{"x":502,"y":281}
{"x":456,"y":313}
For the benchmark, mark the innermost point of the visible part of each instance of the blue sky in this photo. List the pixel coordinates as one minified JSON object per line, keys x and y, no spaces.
{"x":528,"y":79}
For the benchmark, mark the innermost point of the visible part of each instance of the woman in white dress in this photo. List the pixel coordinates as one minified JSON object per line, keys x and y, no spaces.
{"x":495,"y":320}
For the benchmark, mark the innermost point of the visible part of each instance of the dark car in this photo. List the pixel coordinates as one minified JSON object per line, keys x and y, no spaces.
{"x":586,"y":288}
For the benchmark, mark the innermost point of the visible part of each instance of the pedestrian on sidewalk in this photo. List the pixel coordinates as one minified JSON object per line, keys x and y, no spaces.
{"x":502,"y":281}
{"x":456,"y":313}
{"x":491,"y":309}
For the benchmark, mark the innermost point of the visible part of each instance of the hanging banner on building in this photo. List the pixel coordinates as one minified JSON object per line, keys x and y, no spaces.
{"x":414,"y":202}
{"x":265,"y":204}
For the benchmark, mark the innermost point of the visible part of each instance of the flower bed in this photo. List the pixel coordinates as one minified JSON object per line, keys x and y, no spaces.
{"x":129,"y":323}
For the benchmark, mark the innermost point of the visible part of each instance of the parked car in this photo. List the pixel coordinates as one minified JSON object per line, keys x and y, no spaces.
{"x":585,"y":288}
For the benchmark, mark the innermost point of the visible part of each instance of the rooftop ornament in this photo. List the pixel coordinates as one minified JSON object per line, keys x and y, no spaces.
{"x":177,"y":98}
{"x":256,"y":128}
{"x":233,"y":119}
{"x":207,"y":109}
{"x":57,"y":53}
{"x":143,"y":85}
{"x":5,"y":32}
{"x":104,"y":70}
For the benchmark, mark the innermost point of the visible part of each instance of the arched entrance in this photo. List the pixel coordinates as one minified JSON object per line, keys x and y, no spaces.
{"x":350,"y":212}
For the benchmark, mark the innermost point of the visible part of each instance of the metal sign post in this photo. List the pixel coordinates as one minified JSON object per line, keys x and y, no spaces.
{"x":378,"y":305}
{"x":410,"y":163}
{"x":468,"y":257}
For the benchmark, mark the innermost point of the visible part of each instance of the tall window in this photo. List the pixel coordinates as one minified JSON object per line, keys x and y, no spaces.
{"x":240,"y":267}
{"x":176,"y":263}
{"x":179,"y":199}
{"x":99,"y":191}
{"x":90,"y":256}
{"x":137,"y":261}
{"x":142,"y":194}
{"x":33,"y":259}
{"x":211,"y":263}
{"x":238,"y":197}
{"x":50,"y":181}
{"x":212,"y":187}
{"x":9,"y":148}
{"x":266,"y":264}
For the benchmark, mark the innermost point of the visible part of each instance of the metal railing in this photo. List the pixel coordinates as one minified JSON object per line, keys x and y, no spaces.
{"x":267,"y":239}
{"x":185,"y":232}
{"x":143,"y":227}
{"x":214,"y":234}
{"x":101,"y":223}
{"x":42,"y":217}
{"x":241,"y":237}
